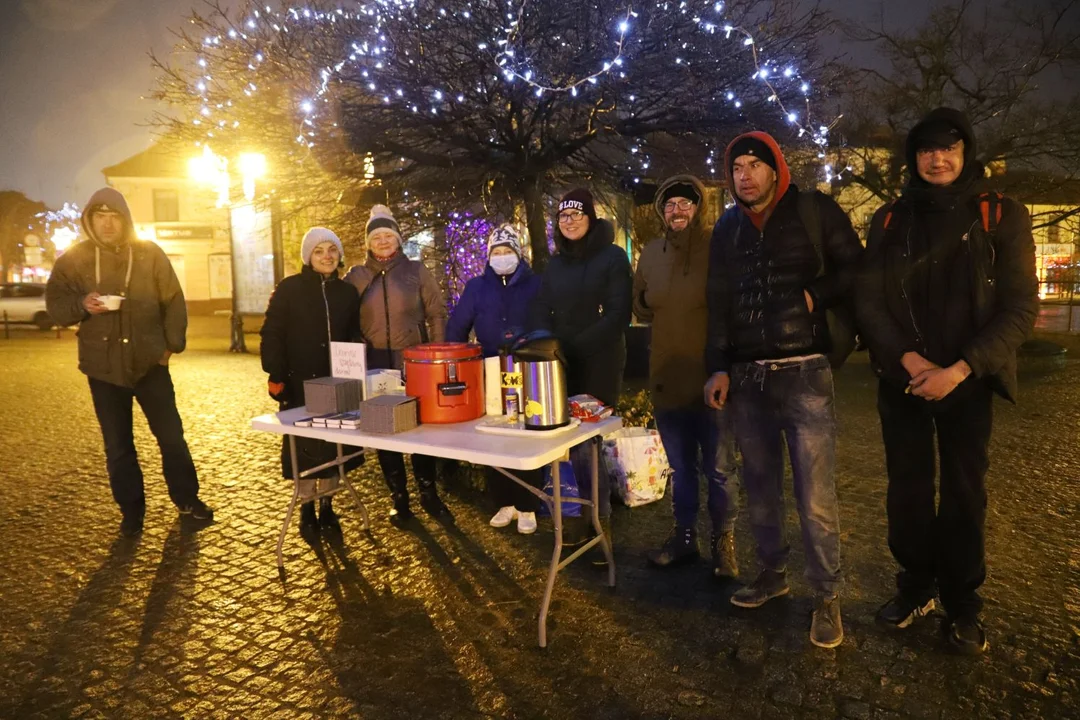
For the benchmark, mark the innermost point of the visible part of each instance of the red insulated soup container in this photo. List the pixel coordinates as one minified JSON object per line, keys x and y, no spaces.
{"x":448,"y":379}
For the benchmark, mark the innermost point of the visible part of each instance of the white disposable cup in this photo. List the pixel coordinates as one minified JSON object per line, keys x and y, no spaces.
{"x":112,"y":302}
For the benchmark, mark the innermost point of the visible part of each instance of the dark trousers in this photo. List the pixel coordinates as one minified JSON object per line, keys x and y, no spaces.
{"x":794,"y":402}
{"x":156,"y":397}
{"x":581,"y":461}
{"x":945,"y":544}
{"x":700,"y":440}
{"x":504,"y":491}
{"x":393,"y":468}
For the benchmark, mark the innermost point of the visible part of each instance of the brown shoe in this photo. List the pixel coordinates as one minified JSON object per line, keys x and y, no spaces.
{"x":725,"y":564}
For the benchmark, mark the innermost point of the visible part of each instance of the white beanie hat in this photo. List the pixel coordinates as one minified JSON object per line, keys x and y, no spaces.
{"x":506,"y":235}
{"x":313,"y":237}
{"x":381,"y":218}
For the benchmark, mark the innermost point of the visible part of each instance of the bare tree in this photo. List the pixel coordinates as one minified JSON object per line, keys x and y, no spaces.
{"x":1006,"y":66}
{"x":442,"y":106}
{"x":18,"y":217}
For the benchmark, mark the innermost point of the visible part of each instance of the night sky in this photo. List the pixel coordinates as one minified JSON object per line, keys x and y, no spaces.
{"x":74,"y":71}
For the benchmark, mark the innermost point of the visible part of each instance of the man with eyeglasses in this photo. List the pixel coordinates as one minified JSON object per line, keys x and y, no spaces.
{"x":669,"y":293}
{"x":779,"y":259}
{"x":947,"y":295}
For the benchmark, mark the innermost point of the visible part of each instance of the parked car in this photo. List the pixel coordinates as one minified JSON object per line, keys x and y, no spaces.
{"x":24,"y":303}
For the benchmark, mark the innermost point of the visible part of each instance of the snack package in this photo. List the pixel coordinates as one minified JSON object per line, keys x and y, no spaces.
{"x":588,"y":409}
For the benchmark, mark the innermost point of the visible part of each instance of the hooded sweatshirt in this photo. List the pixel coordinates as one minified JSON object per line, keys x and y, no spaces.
{"x":669,"y":293}
{"x":118,"y":347}
{"x":934,"y":282}
{"x":760,"y":266}
{"x":783,"y":176}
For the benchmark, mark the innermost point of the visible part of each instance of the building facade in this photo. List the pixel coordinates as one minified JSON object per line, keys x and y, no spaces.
{"x":180,"y":215}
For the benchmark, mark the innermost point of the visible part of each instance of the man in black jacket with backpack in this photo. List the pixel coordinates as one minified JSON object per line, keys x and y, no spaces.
{"x":781,"y":263}
{"x":947,"y":294}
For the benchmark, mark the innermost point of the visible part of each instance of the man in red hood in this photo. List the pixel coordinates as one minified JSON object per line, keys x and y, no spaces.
{"x":778,"y":260}
{"x":127,"y":301}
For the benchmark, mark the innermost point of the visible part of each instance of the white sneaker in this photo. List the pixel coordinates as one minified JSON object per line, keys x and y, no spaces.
{"x":526,"y":523}
{"x":505,"y":516}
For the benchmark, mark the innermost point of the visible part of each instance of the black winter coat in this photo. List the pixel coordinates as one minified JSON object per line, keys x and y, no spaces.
{"x":757,"y":310}
{"x":585,"y":300}
{"x":304,"y":310}
{"x":1003,"y":285}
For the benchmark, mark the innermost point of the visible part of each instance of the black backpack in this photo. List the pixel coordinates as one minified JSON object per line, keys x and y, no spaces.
{"x":841,"y":318}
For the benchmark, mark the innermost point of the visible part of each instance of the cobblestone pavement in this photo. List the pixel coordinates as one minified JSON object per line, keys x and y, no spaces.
{"x":440,"y":623}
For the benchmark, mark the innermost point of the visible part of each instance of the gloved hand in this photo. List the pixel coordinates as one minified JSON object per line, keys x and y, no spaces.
{"x":276,"y":390}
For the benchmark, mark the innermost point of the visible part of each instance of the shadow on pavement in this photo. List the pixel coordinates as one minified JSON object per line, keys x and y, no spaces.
{"x":173,"y":586}
{"x":393,"y":635}
{"x":85,"y":633}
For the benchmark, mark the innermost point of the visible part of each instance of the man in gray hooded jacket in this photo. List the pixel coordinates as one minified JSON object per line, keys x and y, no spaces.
{"x":124,"y":349}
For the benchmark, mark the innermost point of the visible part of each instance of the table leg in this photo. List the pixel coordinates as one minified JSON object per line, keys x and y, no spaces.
{"x":605,"y":541}
{"x":292,"y":503}
{"x":556,"y":518}
{"x":352,"y":490}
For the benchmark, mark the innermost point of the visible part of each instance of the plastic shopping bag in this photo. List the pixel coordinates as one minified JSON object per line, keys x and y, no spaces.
{"x":637,"y":464}
{"x":568,"y":487}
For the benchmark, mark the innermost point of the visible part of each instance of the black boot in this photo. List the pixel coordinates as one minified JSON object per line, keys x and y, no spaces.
{"x":680,"y":547}
{"x":393,"y":467}
{"x":433,"y":504}
{"x":424,"y":469}
{"x":328,"y":519}
{"x":966,"y":635}
{"x":308,"y":522}
{"x":400,"y":513}
{"x":722,"y":547}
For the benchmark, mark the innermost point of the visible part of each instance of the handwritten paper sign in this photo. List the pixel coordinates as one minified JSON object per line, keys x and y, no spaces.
{"x":348,"y":360}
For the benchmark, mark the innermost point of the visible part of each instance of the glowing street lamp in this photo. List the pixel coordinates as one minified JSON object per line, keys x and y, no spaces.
{"x":211,"y":169}
{"x":252,"y":167}
{"x":62,"y":238}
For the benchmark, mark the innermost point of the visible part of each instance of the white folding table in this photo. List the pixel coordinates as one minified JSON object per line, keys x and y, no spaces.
{"x":462,"y":441}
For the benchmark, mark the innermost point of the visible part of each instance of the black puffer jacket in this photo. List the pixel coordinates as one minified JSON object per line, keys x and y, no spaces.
{"x":585,"y":301}
{"x":303,"y":311}
{"x":757,"y":310}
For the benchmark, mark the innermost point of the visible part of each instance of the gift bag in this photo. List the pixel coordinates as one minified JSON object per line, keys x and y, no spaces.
{"x":637,"y":464}
{"x":568,"y":488}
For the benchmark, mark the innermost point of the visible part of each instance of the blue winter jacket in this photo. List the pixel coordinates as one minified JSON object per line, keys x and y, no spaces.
{"x":497,"y":311}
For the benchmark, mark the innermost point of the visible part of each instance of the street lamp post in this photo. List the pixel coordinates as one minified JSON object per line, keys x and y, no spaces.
{"x":213,"y":169}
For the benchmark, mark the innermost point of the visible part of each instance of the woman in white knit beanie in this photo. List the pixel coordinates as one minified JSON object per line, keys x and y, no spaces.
{"x":306,"y":312}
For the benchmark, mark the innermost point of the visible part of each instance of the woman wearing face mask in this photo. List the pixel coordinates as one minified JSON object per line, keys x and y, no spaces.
{"x":401,"y":305}
{"x":305,"y":313}
{"x":496,"y":307}
{"x":585,"y":300}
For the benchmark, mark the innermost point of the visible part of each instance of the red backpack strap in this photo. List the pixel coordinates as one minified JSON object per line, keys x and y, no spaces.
{"x":990,"y":210}
{"x":888,"y":215}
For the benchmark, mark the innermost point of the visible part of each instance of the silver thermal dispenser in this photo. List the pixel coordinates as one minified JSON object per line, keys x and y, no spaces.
{"x":543,"y":377}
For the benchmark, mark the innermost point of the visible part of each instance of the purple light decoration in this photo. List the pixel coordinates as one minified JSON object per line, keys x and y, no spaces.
{"x":466,"y":245}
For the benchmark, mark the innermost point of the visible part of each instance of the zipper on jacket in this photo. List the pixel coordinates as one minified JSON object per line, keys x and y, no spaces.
{"x":386,"y":309}
{"x":329,"y":336}
{"x":903,"y":293}
{"x":973,"y":259}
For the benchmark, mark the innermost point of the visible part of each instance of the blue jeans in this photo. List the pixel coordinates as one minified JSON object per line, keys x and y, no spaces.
{"x":700,"y":440}
{"x":792,"y":401}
